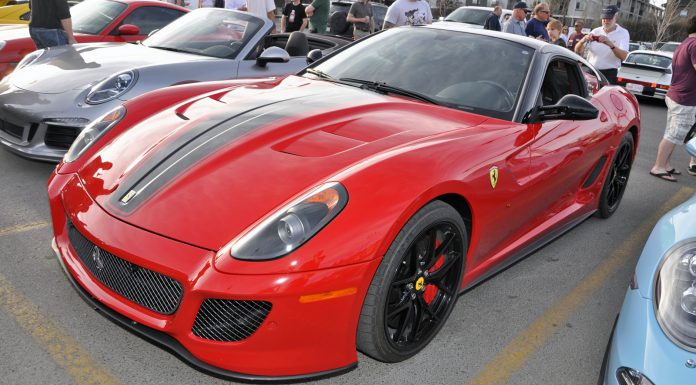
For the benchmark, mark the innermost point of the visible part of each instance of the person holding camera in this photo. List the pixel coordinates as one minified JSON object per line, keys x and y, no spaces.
{"x":607,"y":45}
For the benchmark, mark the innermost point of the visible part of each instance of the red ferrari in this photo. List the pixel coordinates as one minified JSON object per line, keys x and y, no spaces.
{"x":94,"y":21}
{"x":268,"y":229}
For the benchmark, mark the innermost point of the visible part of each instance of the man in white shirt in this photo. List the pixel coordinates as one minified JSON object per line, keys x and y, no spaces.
{"x":239,"y":5}
{"x":408,"y":12}
{"x":607,"y":45}
{"x":262,"y":9}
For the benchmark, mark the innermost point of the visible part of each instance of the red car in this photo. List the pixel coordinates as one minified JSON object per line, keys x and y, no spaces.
{"x":94,"y":21}
{"x":267,"y":229}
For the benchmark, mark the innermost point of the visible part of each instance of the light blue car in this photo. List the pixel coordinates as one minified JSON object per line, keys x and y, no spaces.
{"x":654,"y":340}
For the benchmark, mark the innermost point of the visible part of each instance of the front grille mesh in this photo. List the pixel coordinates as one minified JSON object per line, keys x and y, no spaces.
{"x":229,"y":320}
{"x":60,"y":136}
{"x":145,"y":287}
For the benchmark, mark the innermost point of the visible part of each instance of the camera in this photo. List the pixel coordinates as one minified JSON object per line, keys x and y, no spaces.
{"x":594,"y":37}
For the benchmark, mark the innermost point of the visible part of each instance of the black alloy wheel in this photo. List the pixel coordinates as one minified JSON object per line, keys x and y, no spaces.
{"x":617,"y":178}
{"x":416,"y":285}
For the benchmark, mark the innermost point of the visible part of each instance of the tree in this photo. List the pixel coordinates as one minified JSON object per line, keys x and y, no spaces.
{"x":666,"y":28}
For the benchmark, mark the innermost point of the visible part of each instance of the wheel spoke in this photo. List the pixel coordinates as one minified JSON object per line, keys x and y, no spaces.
{"x":450,"y":260}
{"x":424,"y":305}
{"x":449,"y":237}
{"x":443,"y":287}
{"x":404,"y":281}
{"x":405,"y":322}
{"x":417,"y":320}
{"x":398,"y":308}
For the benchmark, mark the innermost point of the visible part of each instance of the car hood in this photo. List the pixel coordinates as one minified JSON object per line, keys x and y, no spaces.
{"x":10,"y":32}
{"x":82,"y":65}
{"x":204,"y":171}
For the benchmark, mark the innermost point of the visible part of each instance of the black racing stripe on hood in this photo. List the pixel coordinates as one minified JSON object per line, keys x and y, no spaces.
{"x":206,"y":139}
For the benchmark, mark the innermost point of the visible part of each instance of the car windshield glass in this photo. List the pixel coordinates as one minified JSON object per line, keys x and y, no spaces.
{"x":469,"y":15}
{"x":466,"y":71}
{"x":648,"y":59}
{"x":669,"y":47}
{"x":91,"y":17}
{"x":209,"y":32}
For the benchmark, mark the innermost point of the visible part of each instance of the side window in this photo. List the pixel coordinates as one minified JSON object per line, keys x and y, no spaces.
{"x":561,"y":78}
{"x":149,"y":19}
{"x":592,"y":83}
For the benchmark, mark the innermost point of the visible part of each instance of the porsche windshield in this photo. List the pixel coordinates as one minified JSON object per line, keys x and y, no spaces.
{"x":209,"y":32}
{"x":469,"y":16}
{"x":91,"y":17}
{"x":462,"y":70}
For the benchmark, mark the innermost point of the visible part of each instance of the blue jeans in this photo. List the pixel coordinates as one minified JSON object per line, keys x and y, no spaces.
{"x":44,"y":37}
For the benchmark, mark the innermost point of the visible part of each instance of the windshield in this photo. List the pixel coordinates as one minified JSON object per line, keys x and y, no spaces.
{"x":209,"y":32}
{"x":91,"y":17}
{"x":469,"y":15}
{"x":669,"y":47}
{"x":466,"y":71}
{"x":646,"y":58}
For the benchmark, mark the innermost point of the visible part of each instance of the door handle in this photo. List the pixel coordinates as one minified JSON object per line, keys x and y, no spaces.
{"x":603,"y":117}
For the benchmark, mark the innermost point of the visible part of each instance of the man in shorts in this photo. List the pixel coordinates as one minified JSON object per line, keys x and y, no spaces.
{"x":681,"y":106}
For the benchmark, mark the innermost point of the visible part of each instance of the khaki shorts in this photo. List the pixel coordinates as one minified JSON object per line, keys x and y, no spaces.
{"x":679,"y":121}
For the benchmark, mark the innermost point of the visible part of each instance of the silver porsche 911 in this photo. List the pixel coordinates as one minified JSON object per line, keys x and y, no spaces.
{"x":53,"y":94}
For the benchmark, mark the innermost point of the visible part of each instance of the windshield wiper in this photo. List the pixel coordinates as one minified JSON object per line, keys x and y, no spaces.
{"x":387,"y":89}
{"x":169,"y":49}
{"x":321,"y":74}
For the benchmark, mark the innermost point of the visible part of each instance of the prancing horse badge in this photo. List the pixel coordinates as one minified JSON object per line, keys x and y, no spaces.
{"x":493,"y":173}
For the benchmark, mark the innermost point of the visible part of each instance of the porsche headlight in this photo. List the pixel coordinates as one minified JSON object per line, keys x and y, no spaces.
{"x":112,"y":87}
{"x":292,"y":225}
{"x":92,"y":132}
{"x":30,"y":58}
{"x":675,"y":295}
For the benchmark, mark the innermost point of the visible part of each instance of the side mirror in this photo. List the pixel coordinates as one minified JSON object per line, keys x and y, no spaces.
{"x":314,"y":55}
{"x":570,"y":107}
{"x":691,"y":147}
{"x":128,"y":29}
{"x":272,"y":55}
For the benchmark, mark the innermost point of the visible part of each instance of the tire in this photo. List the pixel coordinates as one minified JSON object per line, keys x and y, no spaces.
{"x":416,"y":285}
{"x":337,"y":23}
{"x":617,"y":178}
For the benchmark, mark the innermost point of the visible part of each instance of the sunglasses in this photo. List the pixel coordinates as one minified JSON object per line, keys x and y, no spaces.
{"x":547,"y":12}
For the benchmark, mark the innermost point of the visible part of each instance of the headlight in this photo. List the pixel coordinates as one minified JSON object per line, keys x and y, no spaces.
{"x":628,"y":376}
{"x":92,"y":132}
{"x":292,"y":225}
{"x":675,"y":295}
{"x":112,"y":87}
{"x":30,"y":58}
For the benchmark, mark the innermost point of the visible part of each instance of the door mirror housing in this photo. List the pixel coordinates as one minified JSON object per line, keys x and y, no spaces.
{"x":272,"y":55}
{"x":570,"y":107}
{"x":314,"y":55}
{"x":128,"y":29}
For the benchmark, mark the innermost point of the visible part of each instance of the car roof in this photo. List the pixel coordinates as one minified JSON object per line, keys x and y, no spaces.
{"x":524,"y":40}
{"x":482,"y":8}
{"x":651,"y":52}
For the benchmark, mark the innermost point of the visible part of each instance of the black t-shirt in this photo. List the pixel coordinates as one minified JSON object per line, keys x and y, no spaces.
{"x":295,"y":14}
{"x":48,"y":13}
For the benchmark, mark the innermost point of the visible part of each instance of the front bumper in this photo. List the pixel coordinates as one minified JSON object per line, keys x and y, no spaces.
{"x":43,"y":126}
{"x":297,"y":341}
{"x":639,"y":343}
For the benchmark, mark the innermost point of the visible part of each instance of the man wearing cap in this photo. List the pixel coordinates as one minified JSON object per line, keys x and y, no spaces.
{"x":517,"y":22}
{"x":607,"y":45}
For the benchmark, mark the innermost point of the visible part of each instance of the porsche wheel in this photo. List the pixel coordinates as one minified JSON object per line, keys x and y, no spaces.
{"x":416,"y":285}
{"x":617,"y":178}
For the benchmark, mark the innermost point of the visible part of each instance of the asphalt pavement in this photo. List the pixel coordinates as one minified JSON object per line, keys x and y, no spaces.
{"x":544,"y":320}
